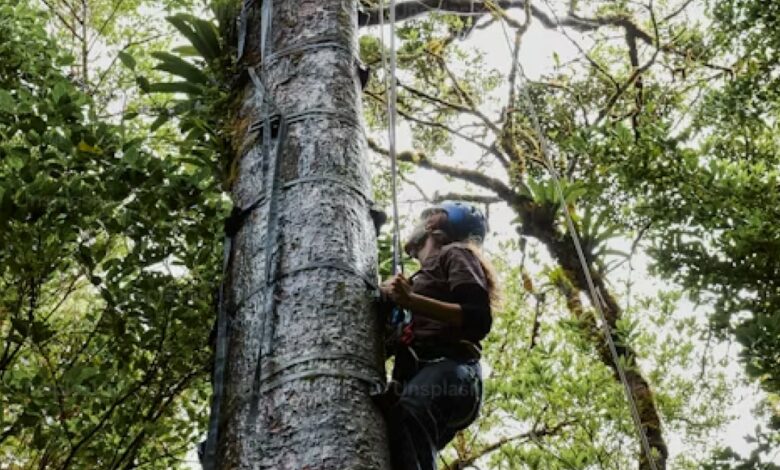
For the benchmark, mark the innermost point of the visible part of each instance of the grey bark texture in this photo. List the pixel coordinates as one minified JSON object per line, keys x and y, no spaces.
{"x":292,"y":297}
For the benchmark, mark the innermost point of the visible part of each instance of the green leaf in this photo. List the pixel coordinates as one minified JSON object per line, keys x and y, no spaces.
{"x":574,"y":191}
{"x":178,"y":66}
{"x":208,"y":31}
{"x":6,"y":102}
{"x":186,"y":51}
{"x":161,"y":119}
{"x":610,"y":232}
{"x":59,"y":92}
{"x":20,"y":325}
{"x":203,"y":38}
{"x":143,"y":83}
{"x":175,"y":87}
{"x":127,"y":60}
{"x":41,"y":332}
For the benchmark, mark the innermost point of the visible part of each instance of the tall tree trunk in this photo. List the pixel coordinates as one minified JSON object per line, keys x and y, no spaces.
{"x":303,"y":348}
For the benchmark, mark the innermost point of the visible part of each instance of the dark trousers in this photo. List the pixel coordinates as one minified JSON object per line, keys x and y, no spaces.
{"x":437,"y":399}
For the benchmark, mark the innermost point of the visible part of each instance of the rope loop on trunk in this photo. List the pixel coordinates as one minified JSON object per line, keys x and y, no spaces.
{"x":274,"y":124}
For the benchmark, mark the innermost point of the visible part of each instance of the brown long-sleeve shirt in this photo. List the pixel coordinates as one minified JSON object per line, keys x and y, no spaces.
{"x":454,"y":275}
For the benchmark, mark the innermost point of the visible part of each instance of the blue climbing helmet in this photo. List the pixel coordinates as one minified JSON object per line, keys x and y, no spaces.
{"x":464,"y":221}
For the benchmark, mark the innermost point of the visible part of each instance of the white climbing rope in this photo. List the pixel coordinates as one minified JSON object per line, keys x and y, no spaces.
{"x":392,"y":115}
{"x":596,"y":298}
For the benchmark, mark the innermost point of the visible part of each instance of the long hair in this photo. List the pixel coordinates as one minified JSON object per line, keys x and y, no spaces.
{"x":494,"y":291}
{"x":475,"y":247}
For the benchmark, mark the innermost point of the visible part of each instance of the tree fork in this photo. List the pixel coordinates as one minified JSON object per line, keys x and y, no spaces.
{"x":304,"y":346}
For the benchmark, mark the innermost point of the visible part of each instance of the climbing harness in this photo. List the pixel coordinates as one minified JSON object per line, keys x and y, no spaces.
{"x":595,"y":294}
{"x":274,"y":123}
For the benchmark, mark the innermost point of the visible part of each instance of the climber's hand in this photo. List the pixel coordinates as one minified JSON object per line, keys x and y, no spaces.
{"x":401,"y":291}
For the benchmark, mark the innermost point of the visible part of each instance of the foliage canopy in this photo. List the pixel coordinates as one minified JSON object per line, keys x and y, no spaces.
{"x":113,"y":187}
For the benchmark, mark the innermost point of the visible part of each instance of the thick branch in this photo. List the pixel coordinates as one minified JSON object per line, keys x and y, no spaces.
{"x":414,"y":8}
{"x":472,"y":176}
{"x":479,"y":198}
{"x":640,"y":388}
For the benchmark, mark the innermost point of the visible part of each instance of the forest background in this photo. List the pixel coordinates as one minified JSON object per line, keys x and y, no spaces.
{"x":661,"y":117}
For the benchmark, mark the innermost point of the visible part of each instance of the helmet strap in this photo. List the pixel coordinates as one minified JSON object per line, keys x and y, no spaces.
{"x":441,"y":236}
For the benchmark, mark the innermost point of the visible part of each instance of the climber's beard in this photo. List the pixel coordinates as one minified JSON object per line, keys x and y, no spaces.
{"x":416,"y":240}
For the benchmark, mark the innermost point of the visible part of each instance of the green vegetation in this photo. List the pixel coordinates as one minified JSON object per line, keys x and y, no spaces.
{"x":116,"y":159}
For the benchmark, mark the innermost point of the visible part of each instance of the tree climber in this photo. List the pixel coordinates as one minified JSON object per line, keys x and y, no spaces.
{"x":437,"y":380}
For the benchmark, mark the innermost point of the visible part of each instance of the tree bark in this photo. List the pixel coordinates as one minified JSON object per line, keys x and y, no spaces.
{"x":300,"y":308}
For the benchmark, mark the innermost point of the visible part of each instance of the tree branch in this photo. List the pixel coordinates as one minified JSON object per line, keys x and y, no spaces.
{"x":437,"y":125}
{"x":158,"y":407}
{"x":124,"y":48}
{"x":415,"y":185}
{"x":478,"y":198}
{"x":103,"y":419}
{"x":470,"y":107}
{"x":530,"y":435}
{"x":414,"y":8}
{"x":579,"y":48}
{"x":62,"y":19}
{"x":636,"y":74}
{"x":73,"y":11}
{"x":472,"y":176}
{"x":676,"y":12}
{"x":105,"y":24}
{"x":540,"y":299}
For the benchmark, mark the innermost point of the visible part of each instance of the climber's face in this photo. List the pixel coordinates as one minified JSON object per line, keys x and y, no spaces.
{"x":430,"y":221}
{"x":416,"y":240}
